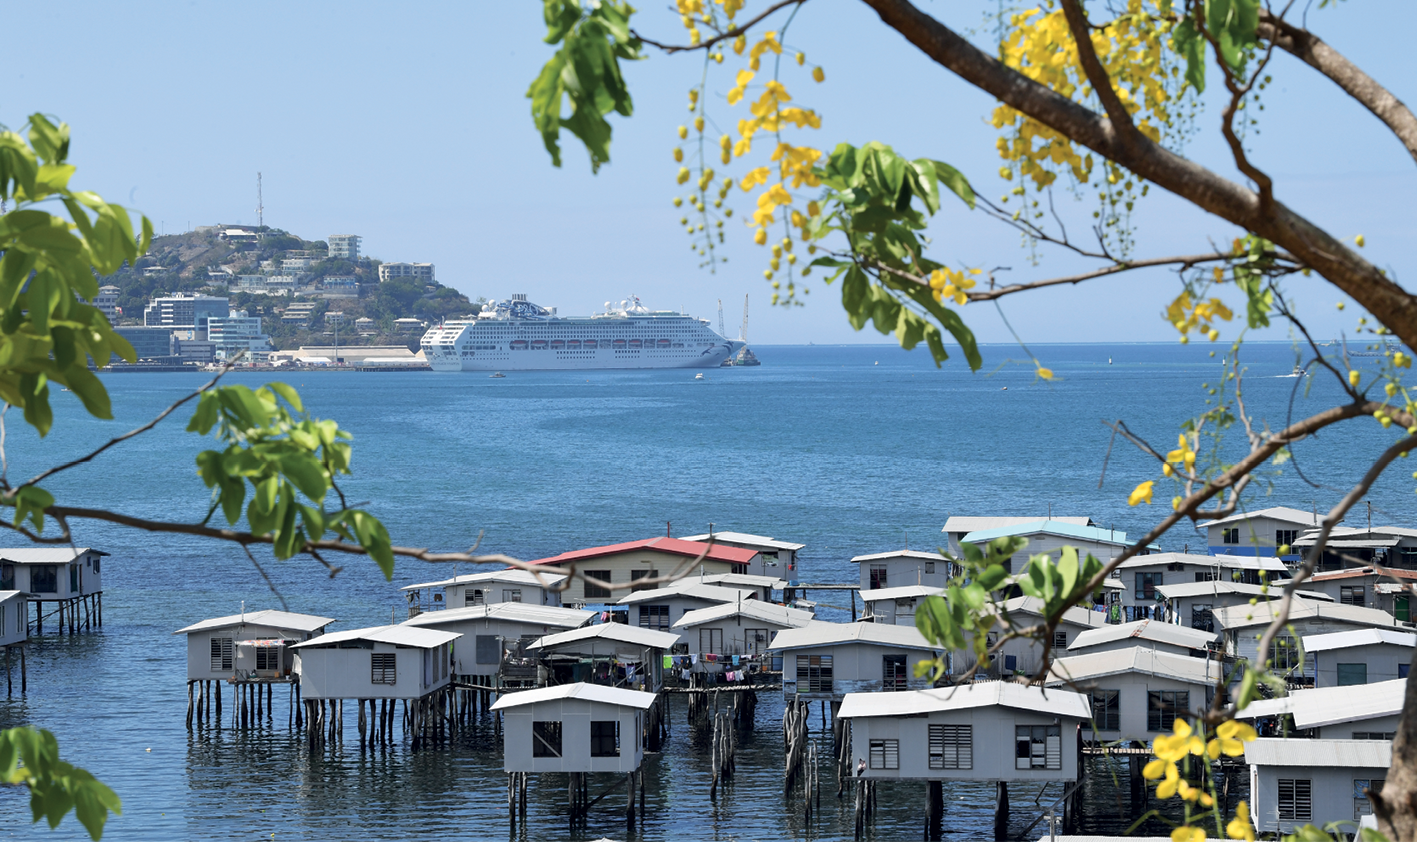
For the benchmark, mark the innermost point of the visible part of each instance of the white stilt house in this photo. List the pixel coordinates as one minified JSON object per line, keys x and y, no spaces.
{"x":777,"y":558}
{"x":1361,"y":656}
{"x":1137,"y":693}
{"x":895,"y":606}
{"x":250,"y":646}
{"x":1332,"y":713}
{"x":382,"y":662}
{"x":14,"y":633}
{"x":473,"y":589}
{"x":69,"y":579}
{"x":1299,"y":782}
{"x":610,"y":654}
{"x":828,"y":660}
{"x":735,"y":630}
{"x":660,"y":608}
{"x":1240,"y":627}
{"x":1191,"y":604}
{"x":493,"y":638}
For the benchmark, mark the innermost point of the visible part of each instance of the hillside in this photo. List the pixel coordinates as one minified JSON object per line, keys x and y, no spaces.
{"x":200,"y":261}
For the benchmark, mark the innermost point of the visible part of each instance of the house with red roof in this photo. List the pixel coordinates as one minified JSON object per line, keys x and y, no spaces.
{"x":623,"y":564}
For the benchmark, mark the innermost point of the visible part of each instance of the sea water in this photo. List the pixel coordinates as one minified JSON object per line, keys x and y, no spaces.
{"x":849,"y":450}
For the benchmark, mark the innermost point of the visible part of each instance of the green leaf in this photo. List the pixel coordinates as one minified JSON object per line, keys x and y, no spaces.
{"x":1068,"y":571}
{"x":1187,"y":41}
{"x":374,"y":538}
{"x":30,"y":502}
{"x":955,"y":181}
{"x":285,"y":390}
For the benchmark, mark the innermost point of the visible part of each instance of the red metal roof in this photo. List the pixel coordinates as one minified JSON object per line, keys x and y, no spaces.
{"x":1394,"y":572}
{"x":673,"y":546}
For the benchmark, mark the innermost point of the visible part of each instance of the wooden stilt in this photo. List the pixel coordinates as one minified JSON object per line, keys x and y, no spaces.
{"x":10,"y":682}
{"x":934,"y":810}
{"x":1001,"y":811}
{"x":24,"y":680}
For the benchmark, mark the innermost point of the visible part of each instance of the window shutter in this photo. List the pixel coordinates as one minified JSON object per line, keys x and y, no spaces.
{"x":489,"y":649}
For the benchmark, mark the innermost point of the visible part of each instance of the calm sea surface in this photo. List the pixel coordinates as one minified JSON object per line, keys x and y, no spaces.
{"x":848,"y":450}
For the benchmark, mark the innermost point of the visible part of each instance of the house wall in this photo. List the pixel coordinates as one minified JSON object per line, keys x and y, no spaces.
{"x":1131,"y":643}
{"x":1242,"y":643}
{"x":1133,"y":688}
{"x":1331,"y":793}
{"x":1180,"y":610}
{"x":1019,"y":654}
{"x":455,"y":596}
{"x":1346,"y":730}
{"x":856,"y":668}
{"x":14,"y":620}
{"x":475,"y":634}
{"x":575,"y":716}
{"x":901,"y":572}
{"x":1371,"y":598}
{"x":1053,"y":545}
{"x":1256,"y":536}
{"x":199,"y":649}
{"x":737,"y":634}
{"x":993,"y":738}
{"x":894,"y":612}
{"x":347,"y":673}
{"x":89,"y":571}
{"x":678,"y":607}
{"x":1384,"y":661}
{"x":1186,"y":573}
{"x":621,"y":565}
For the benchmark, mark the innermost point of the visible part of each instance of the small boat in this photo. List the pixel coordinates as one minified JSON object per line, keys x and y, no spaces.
{"x":699,"y":376}
{"x":497,"y":374}
{"x":1109,"y":360}
{"x":1297,"y":372}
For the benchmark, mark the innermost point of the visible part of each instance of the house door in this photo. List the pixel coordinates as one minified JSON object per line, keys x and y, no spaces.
{"x":73,"y":578}
{"x":710,"y":641}
{"x":1400,"y":608}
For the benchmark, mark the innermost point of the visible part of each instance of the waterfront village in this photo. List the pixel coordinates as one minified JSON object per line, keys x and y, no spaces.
{"x":577,"y":676}
{"x":359,"y":313}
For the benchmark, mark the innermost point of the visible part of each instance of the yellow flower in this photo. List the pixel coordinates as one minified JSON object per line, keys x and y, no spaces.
{"x":1047,"y":374}
{"x":1155,"y":769}
{"x":1186,"y":833}
{"x":1353,"y":378}
{"x":1240,"y":827}
{"x":1360,"y":241}
{"x":1142,"y":493}
{"x":1183,"y":454}
{"x":678,"y":154}
{"x":761,"y":237}
{"x":739,"y":44}
{"x":1230,"y":739}
{"x":1175,"y":746}
{"x":683,"y":175}
{"x":819,"y":74}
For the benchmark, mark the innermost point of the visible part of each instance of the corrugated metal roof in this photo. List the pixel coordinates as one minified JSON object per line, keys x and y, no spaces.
{"x":672,"y":546}
{"x":1246,"y":616}
{"x":837,"y":634}
{"x":1384,"y":572}
{"x":691,"y":589}
{"x":1215,"y":587}
{"x":410,"y":636}
{"x":1033,"y":606}
{"x":45,"y":555}
{"x":581,"y":691}
{"x":618,"y":632}
{"x":745,"y":579}
{"x":1050,"y":527}
{"x":1231,"y":562}
{"x":1333,"y":705}
{"x":510,"y":575}
{"x":514,"y":612}
{"x":1352,"y":754}
{"x":755,"y":609}
{"x":899,"y":554}
{"x":273,"y":619}
{"x":902,"y":592}
{"x":1357,"y":637}
{"x":975,"y":524}
{"x":1009,"y":694}
{"x":745,"y":538}
{"x":1144,"y":630}
{"x":1136,"y":659}
{"x":1283,"y":513}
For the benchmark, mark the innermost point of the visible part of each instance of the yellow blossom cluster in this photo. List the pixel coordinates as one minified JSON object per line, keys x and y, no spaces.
{"x":948,"y":283}
{"x":1184,"y":456}
{"x":1184,"y":741}
{"x":1187,"y":314}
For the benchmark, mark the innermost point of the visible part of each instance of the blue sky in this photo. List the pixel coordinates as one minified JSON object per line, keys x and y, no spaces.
{"x":407,"y":124}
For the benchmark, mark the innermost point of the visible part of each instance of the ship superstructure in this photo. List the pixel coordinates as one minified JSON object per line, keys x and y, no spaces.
{"x":518,"y":335}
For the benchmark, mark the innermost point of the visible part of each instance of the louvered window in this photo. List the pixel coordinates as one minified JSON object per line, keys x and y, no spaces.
{"x":383,"y":668}
{"x":814,"y":673}
{"x":222,"y":652}
{"x":654,"y":617}
{"x":885,"y":754}
{"x":1296,"y":801}
{"x":1060,"y":641}
{"x":472,"y":596}
{"x":1107,"y":710}
{"x":267,"y":657}
{"x":1038,"y":747}
{"x":951,"y":746}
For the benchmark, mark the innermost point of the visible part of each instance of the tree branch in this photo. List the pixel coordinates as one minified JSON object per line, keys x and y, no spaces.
{"x":1315,"y":52}
{"x":1097,"y":74}
{"x":1219,"y":196}
{"x":731,"y":33}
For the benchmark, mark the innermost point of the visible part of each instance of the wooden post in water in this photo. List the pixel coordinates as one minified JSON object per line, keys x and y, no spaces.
{"x":10,"y":683}
{"x":1001,"y":812}
{"x":934,"y":810}
{"x":24,"y":681}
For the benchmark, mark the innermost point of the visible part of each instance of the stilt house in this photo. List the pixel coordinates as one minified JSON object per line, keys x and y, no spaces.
{"x":1260,"y":533}
{"x":647,"y":559}
{"x":69,"y":579}
{"x":1299,"y":782}
{"x":895,"y":606}
{"x":493,"y":638}
{"x":735,"y":631}
{"x":1193,"y":604}
{"x":14,"y":618}
{"x":573,"y":728}
{"x":1136,"y":694}
{"x":509,"y":585}
{"x":903,"y":567}
{"x":1331,"y":713}
{"x":250,"y":646}
{"x":1240,"y":625}
{"x":1361,"y":656}
{"x":1148,"y":634}
{"x":1383,"y":588}
{"x":660,"y":608}
{"x":778,"y":558}
{"x":609,"y":654}
{"x":382,"y":662}
{"x":828,"y":660}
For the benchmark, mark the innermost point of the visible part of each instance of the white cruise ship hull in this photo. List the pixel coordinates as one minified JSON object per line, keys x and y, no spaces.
{"x":517,"y":335}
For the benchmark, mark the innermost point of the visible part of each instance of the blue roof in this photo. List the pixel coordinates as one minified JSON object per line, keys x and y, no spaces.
{"x":1051,"y":527}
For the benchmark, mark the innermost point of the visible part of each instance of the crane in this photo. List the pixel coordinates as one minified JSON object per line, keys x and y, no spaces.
{"x":743,"y":334}
{"x":721,"y":331}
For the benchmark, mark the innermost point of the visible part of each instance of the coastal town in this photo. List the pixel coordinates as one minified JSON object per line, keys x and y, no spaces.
{"x":575,"y":675}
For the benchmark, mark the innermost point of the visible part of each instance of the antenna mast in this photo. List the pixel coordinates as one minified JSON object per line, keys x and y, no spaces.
{"x":260,"y":204}
{"x":721,"y":331}
{"x":743,"y":334}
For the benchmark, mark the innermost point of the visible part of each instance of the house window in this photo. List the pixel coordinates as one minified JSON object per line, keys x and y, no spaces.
{"x":605,"y":738}
{"x":878,"y":576}
{"x":1361,"y":805}
{"x":1146,"y":585}
{"x":1285,"y":537}
{"x":814,"y":673}
{"x":95,"y":565}
{"x":1207,"y":575}
{"x":1284,"y":653}
{"x":383,"y":668}
{"x":222,"y":652}
{"x":1038,"y":747}
{"x":951,"y":746}
{"x":1163,"y":706}
{"x":636,"y":575}
{"x":654,"y":617}
{"x":893,"y":672}
{"x":267,"y":658}
{"x":1374,"y":735}
{"x":44,"y":578}
{"x":7,"y":577}
{"x":929,"y":567}
{"x":711,"y":641}
{"x":1295,"y":799}
{"x":1349,"y":674}
{"x":546,"y":738}
{"x":1107,"y":710}
{"x":1351,"y":595}
{"x":596,"y":591}
{"x":511,"y":594}
{"x":489,"y":649}
{"x":1230,"y":536}
{"x":885,"y":754}
{"x":1060,"y":641}
{"x":1201,"y":618}
{"x":755,"y":641}
{"x":73,"y":578}
{"x":473,"y":596}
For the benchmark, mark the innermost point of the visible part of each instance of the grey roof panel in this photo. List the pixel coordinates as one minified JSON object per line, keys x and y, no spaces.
{"x":273,"y":619}
{"x":965,"y":696}
{"x":1353,"y":754}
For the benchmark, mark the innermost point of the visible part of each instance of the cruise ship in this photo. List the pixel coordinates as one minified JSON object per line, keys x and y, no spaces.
{"x":517,"y":335}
